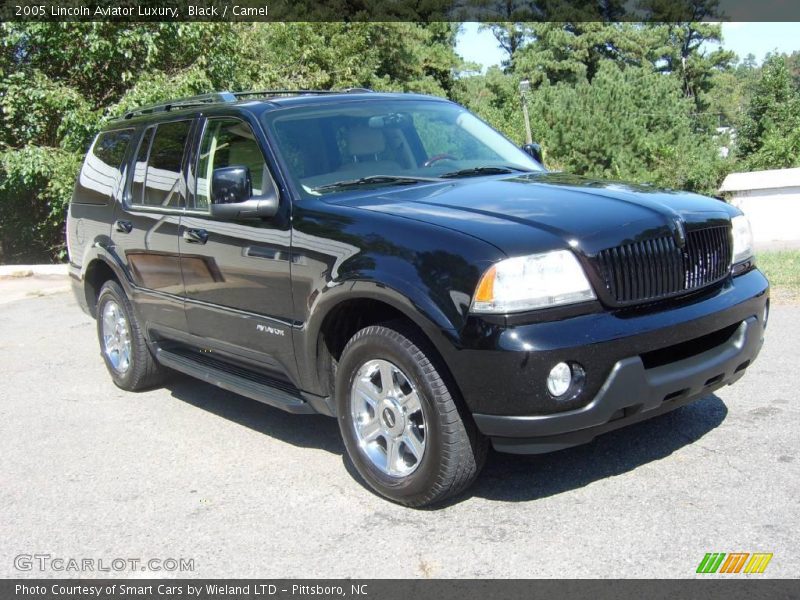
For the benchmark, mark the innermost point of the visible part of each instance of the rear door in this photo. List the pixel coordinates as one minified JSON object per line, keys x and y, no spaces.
{"x":238,"y":292}
{"x":146,"y":224}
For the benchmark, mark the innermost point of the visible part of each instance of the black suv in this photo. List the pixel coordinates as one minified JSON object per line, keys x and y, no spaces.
{"x":392,"y":261}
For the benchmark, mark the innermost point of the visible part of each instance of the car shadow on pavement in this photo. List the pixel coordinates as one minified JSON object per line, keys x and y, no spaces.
{"x":308,"y":431}
{"x":513,"y":478}
{"x":506,"y":477}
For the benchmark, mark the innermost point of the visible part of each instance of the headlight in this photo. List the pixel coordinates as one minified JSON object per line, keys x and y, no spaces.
{"x":535,"y":281}
{"x":742,"y":239}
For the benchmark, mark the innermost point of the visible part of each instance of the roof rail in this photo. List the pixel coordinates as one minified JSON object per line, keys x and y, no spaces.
{"x":272,"y":93}
{"x":179,"y":103}
{"x":220,"y":97}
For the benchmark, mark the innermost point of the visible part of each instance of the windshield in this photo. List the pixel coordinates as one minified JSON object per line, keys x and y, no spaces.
{"x":329,"y":149}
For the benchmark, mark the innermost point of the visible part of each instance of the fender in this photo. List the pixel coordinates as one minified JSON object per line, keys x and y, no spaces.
{"x":101,"y":250}
{"x":424,"y":271}
{"x":409,"y":300}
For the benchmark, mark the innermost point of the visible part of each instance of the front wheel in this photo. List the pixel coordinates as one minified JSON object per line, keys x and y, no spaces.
{"x":399,"y":419}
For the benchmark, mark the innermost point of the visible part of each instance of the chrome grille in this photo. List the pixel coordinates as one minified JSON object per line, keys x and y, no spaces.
{"x":653,"y":269}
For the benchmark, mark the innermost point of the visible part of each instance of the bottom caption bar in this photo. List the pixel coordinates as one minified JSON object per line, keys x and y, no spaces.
{"x":400,"y":589}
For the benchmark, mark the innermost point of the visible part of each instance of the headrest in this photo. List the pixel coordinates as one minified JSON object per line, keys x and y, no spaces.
{"x":365,"y":140}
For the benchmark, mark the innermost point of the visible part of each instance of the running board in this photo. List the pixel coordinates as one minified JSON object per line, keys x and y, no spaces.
{"x":235,"y":379}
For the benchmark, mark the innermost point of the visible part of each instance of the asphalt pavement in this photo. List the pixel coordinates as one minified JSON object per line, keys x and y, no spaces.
{"x":234,"y":488}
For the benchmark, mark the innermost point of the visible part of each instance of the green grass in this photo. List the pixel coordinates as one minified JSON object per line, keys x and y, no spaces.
{"x":782,"y":268}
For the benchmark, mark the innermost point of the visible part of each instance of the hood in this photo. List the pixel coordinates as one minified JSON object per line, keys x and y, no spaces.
{"x":535,"y":212}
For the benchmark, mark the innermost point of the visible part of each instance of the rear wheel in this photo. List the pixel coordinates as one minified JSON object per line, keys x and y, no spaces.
{"x":399,"y":419}
{"x":122,"y":343}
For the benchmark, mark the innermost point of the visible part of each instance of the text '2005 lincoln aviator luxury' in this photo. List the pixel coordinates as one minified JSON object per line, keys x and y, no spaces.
{"x":392,"y":261}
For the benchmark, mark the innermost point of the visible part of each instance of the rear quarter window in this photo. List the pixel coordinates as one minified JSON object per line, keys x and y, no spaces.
{"x":103,"y":169}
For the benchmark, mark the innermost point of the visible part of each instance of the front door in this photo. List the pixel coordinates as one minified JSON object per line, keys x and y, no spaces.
{"x":236,"y":272}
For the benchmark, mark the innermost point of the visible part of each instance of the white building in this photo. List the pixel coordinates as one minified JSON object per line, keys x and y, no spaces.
{"x":770,"y":199}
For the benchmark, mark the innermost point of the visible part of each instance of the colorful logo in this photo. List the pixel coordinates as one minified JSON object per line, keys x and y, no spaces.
{"x":734,"y":562}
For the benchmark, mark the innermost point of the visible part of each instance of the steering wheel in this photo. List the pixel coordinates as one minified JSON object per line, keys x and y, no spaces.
{"x":437,"y":158}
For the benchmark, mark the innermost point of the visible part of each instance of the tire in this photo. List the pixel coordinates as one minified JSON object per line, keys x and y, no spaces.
{"x":437,"y":451}
{"x":135,"y":369}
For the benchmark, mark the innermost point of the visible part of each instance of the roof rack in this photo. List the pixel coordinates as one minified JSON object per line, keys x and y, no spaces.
{"x":226,"y":97}
{"x":273,"y":93}
{"x":181,"y":103}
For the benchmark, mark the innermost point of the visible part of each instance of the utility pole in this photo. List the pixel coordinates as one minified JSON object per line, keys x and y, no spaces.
{"x":524,"y":88}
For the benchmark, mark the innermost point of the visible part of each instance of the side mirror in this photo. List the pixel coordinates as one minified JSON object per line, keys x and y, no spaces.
{"x":232,"y":189}
{"x":231,"y":185}
{"x":534,"y":151}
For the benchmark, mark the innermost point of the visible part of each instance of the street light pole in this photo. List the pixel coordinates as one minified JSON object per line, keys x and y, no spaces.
{"x":524,"y":87}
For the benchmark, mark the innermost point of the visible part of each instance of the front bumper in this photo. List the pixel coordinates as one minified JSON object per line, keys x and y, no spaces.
{"x":637,"y":366}
{"x":630,"y":394}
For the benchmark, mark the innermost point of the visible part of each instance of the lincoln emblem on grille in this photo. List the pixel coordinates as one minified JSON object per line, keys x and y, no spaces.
{"x":680,"y":233}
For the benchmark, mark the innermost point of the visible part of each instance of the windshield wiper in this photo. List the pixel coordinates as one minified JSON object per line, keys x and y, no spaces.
{"x":373,"y":180}
{"x":475,"y":171}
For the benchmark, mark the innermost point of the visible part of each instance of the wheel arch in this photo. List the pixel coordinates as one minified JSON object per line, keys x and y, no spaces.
{"x":98,"y":269}
{"x":338,"y":317}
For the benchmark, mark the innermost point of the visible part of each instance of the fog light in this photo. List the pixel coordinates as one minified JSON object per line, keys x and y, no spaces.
{"x":766,"y":315}
{"x":559,"y":379}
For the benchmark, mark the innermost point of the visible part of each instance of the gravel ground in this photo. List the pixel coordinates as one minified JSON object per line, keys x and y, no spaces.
{"x":191,"y":471}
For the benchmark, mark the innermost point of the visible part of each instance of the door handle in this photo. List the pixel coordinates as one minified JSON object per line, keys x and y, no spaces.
{"x":195,"y":236}
{"x":123,"y":226}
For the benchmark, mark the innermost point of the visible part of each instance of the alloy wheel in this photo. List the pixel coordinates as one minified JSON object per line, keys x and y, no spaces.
{"x":116,"y":337}
{"x":388,"y":418}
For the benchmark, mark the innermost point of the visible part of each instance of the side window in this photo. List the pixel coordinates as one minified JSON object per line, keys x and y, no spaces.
{"x":228,"y":143}
{"x":111,"y":146}
{"x":157,"y":177}
{"x":140,"y":167}
{"x":100,"y":175}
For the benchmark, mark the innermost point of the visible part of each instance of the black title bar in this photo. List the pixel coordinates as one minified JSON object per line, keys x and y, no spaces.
{"x":397,"y":10}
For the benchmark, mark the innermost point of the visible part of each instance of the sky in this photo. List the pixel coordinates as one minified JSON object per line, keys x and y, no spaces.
{"x":743,"y":38}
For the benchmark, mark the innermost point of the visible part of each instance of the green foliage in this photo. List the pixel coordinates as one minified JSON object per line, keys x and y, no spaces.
{"x":630,"y":124}
{"x":686,"y":50}
{"x":573,"y":52}
{"x":730,"y":92}
{"x":769,"y":136}
{"x":36,"y":183}
{"x":36,"y":110}
{"x":641,"y":101}
{"x":494,"y":97}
